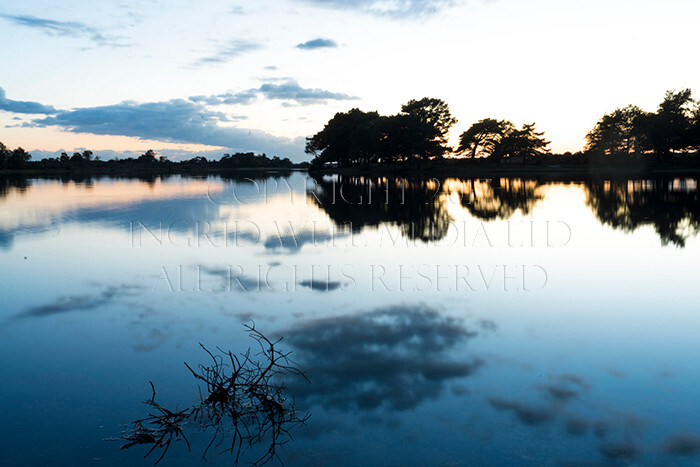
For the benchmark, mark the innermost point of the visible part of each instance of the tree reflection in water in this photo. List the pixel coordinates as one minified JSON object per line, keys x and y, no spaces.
{"x":670,"y":205}
{"x":413,"y":205}
{"x":420,"y":208}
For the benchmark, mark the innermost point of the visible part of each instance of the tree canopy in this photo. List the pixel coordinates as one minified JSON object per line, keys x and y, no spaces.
{"x":674,"y":127}
{"x":500,"y":139}
{"x":357,"y":138}
{"x":482,"y":138}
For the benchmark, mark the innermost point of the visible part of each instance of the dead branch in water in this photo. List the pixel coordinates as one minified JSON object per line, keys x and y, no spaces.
{"x":243,"y":404}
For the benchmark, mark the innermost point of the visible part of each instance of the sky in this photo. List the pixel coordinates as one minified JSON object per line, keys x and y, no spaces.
{"x":193,"y":78}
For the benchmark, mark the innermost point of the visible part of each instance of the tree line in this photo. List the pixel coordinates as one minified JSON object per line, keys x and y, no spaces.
{"x":630,"y":131}
{"x":150,"y":161}
{"x":419,"y":132}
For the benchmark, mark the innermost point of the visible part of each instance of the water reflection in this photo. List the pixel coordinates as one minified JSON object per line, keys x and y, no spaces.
{"x":392,"y":358}
{"x":244,"y":406}
{"x":420,"y":207}
{"x":499,"y":198}
{"x":670,"y":205}
{"x":87,"y":302}
{"x":415,"y":206}
{"x":486,"y":373}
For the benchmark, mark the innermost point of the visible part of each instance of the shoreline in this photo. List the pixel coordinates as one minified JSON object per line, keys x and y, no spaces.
{"x":441,"y":170}
{"x":511,"y":171}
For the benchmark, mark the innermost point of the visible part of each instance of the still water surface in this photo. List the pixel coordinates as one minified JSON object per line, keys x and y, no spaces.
{"x":442,"y":321}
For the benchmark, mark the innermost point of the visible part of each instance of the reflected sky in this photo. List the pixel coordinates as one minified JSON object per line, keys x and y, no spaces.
{"x":439,"y":321}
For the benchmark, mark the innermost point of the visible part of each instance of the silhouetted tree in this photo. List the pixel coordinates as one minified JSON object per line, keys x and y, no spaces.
{"x":673,"y":127}
{"x":4,"y":155}
{"x":481,"y":139}
{"x":18,"y":158}
{"x":149,"y":157}
{"x":617,"y":132}
{"x":349,"y":138}
{"x":430,"y":122}
{"x":670,"y":128}
{"x":356,"y":138}
{"x":398,"y":138}
{"x":525,"y":143}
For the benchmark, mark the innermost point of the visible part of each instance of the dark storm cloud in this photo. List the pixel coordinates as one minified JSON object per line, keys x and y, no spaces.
{"x":24,"y":107}
{"x":317,"y":44}
{"x":393,"y":358}
{"x":66,"y":28}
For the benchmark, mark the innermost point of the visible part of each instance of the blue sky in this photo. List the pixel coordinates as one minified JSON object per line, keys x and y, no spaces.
{"x":188,"y":78}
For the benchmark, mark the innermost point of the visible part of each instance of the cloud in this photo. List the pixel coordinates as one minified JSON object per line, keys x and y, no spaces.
{"x":392,"y":358}
{"x":529,"y":415}
{"x":67,"y":29}
{"x":320,"y":286}
{"x":234,"y":49}
{"x":24,"y":107}
{"x":488,"y":325}
{"x":292,"y":91}
{"x":242,"y":97}
{"x":574,"y":379}
{"x":683,"y":444}
{"x":183,"y":120}
{"x":280,"y":89}
{"x":620,"y":451}
{"x":565,"y":388}
{"x":77,"y":302}
{"x":576,"y":426}
{"x":393,"y":9}
{"x":234,"y":280}
{"x":559,"y":393}
{"x":177,"y":121}
{"x":317,"y":44}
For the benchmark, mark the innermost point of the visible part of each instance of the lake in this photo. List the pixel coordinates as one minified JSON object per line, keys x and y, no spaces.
{"x":438,"y":320}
